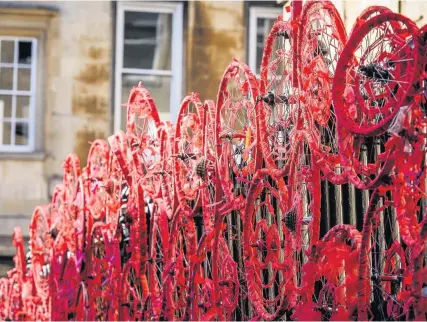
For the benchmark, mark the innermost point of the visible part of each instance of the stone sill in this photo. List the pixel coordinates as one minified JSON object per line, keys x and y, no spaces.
{"x":31,"y":156}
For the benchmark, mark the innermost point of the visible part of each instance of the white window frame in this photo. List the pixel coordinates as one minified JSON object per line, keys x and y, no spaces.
{"x":176,"y":9}
{"x":254,"y":14}
{"x":14,"y":92}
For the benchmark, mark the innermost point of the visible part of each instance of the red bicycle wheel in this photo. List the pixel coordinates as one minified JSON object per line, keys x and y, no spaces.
{"x":98,"y":158}
{"x":215,"y":295}
{"x":40,"y":243}
{"x":119,"y":146}
{"x":142,"y":130}
{"x":136,"y":260}
{"x":225,"y":279}
{"x":65,"y":281}
{"x":381,"y":261}
{"x":237,"y":138}
{"x":103,"y":267}
{"x":182,"y":247}
{"x":207,"y":169}
{"x":188,"y":151}
{"x":276,"y":85}
{"x":4,"y":298}
{"x":166,"y":136}
{"x":57,"y":206}
{"x":17,"y":277}
{"x":141,"y":114}
{"x":132,"y":300}
{"x":72,"y":172}
{"x":376,"y":74}
{"x":329,"y":280}
{"x":201,"y":306}
{"x":267,"y":248}
{"x":367,"y":14}
{"x":114,"y":185}
{"x":19,"y":258}
{"x":84,"y":219}
{"x":303,"y":182}
{"x":367,"y":161}
{"x":409,"y":176}
{"x":321,"y":40}
{"x":15,"y":303}
{"x":159,"y":249}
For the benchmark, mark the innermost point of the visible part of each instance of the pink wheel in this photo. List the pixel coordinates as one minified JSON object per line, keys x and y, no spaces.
{"x":40,"y":243}
{"x":98,"y":158}
{"x":329,"y":282}
{"x":159,"y":249}
{"x":103,"y":271}
{"x":276,"y":114}
{"x":231,"y":297}
{"x":367,"y":14}
{"x":57,"y":207}
{"x":226,"y":283}
{"x":215,"y":295}
{"x":375,"y":74}
{"x":237,"y":141}
{"x":182,"y":247}
{"x":166,"y":135}
{"x":188,"y":152}
{"x":207,"y":169}
{"x":321,"y":40}
{"x":119,"y":146}
{"x":134,"y":283}
{"x":382,"y":261}
{"x":141,"y":114}
{"x":142,"y":131}
{"x":267,"y":247}
{"x":132,"y":301}
{"x":72,"y":172}
{"x":19,"y":258}
{"x":65,"y":279}
{"x":84,"y":220}
{"x":408,"y":186}
{"x":114,"y":186}
{"x":4,"y":298}
{"x":15,"y":295}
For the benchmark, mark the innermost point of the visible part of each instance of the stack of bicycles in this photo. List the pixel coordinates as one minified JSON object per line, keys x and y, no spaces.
{"x":222,"y":215}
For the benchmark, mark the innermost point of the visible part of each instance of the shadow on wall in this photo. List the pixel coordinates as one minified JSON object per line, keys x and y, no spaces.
{"x":212,"y":48}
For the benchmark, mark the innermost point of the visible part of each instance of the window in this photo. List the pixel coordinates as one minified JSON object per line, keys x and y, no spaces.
{"x":18,"y":60}
{"x":260,"y":22}
{"x":149,"y":49}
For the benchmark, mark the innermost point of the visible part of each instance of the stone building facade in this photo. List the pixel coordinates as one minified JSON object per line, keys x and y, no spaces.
{"x":66,"y":67}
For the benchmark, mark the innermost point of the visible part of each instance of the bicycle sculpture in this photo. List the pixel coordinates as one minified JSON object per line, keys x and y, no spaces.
{"x":220,"y":217}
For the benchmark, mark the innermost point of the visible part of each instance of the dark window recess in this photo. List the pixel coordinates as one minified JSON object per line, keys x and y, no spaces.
{"x":24,"y":52}
{"x":21,"y":129}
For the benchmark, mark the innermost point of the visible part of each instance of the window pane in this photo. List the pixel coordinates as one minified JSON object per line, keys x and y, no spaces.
{"x":24,"y":79}
{"x":6,"y":78}
{"x":5,"y":106}
{"x":21,"y":133}
{"x":7,"y":51}
{"x":24,"y":52}
{"x":158,"y":86}
{"x":5,"y":133}
{"x":147,"y":43}
{"x":22,"y":106}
